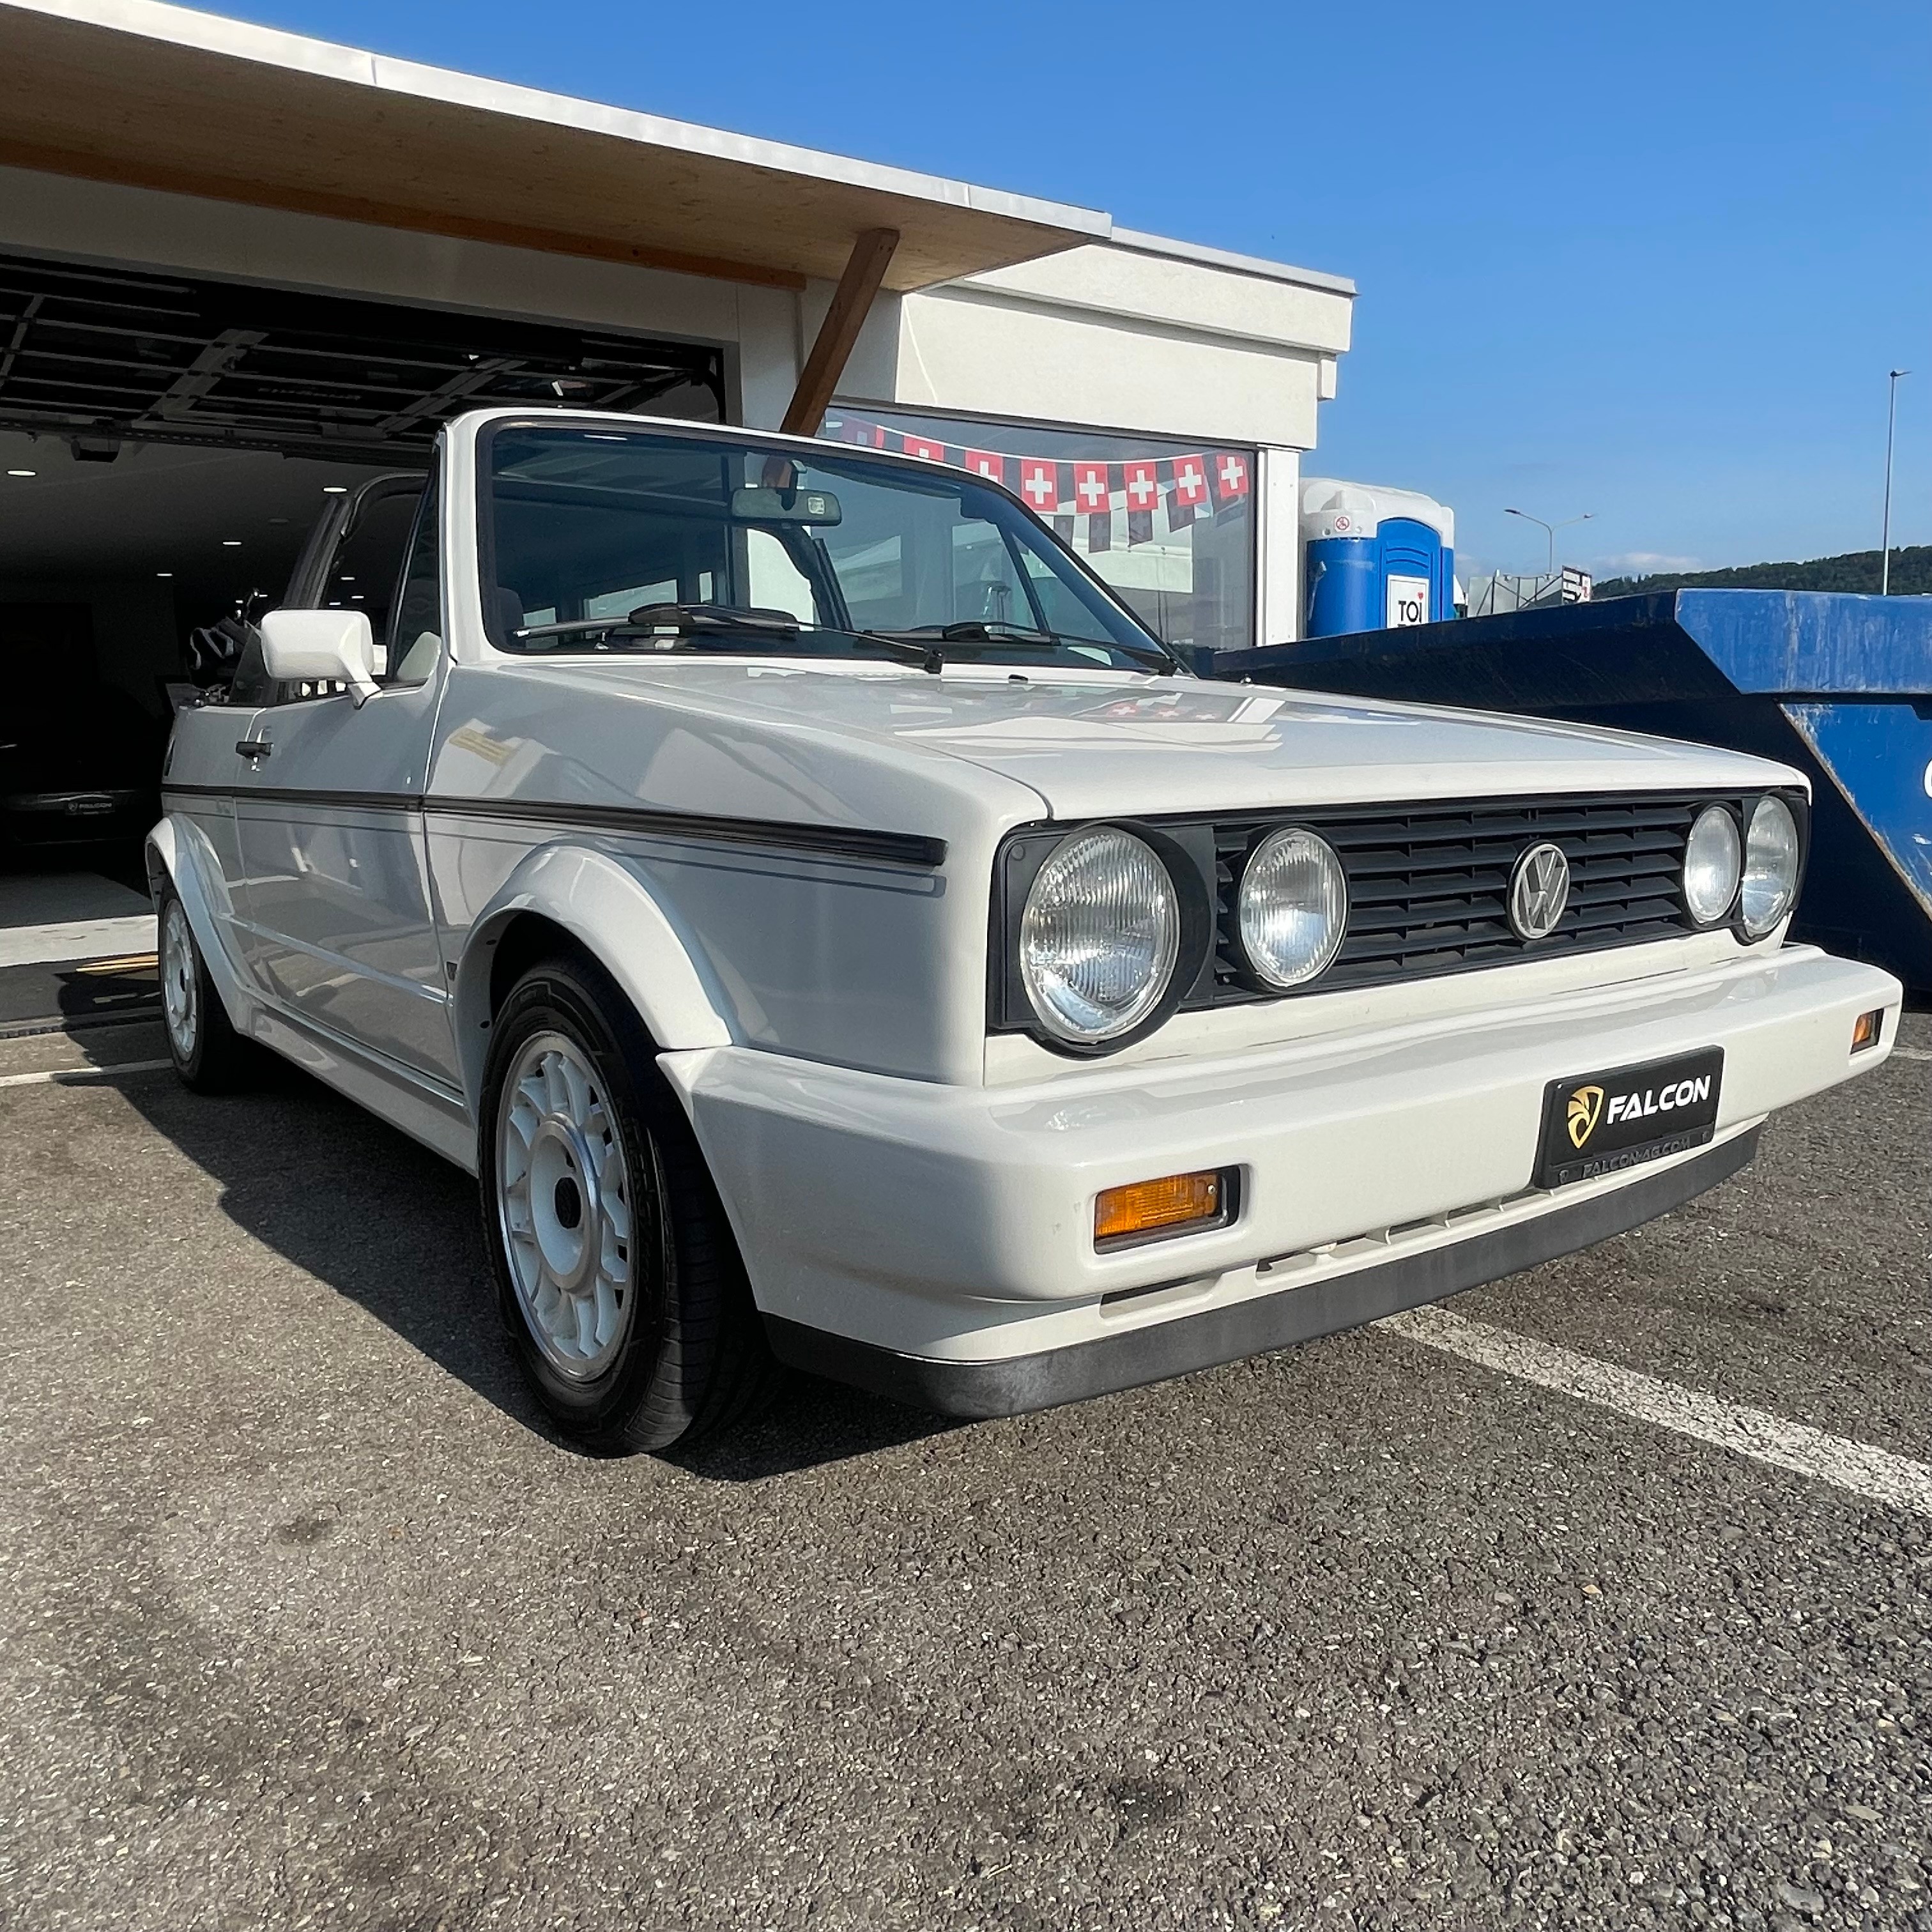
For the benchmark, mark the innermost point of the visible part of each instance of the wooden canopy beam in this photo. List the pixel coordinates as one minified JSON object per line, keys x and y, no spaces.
{"x":851,"y":303}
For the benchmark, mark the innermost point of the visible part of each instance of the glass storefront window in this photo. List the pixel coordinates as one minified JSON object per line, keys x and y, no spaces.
{"x":1169,"y":525}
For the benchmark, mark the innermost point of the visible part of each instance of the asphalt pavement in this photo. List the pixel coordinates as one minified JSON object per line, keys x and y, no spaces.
{"x":306,"y":1620}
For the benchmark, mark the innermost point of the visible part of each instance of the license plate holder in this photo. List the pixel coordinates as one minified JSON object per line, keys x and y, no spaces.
{"x":1599,"y":1124}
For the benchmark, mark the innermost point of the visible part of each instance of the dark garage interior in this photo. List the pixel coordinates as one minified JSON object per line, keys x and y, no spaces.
{"x":165,"y":445}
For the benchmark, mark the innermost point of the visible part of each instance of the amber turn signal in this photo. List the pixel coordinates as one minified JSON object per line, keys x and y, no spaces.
{"x":1866,"y":1028}
{"x":1171,"y":1205}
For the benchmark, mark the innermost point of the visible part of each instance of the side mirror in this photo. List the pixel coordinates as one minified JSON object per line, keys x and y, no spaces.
{"x":320,"y":647}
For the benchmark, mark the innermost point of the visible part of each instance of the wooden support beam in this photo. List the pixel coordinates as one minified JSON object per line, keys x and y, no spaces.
{"x":851,"y":303}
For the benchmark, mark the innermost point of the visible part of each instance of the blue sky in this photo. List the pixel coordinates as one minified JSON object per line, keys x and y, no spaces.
{"x":1651,"y":262}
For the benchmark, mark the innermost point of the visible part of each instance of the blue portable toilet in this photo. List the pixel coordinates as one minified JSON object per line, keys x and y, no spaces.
{"x":1375,"y":558}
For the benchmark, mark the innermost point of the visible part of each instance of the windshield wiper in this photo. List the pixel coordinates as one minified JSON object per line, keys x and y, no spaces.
{"x":994,"y":633}
{"x":673,"y":620}
{"x":694,"y":626}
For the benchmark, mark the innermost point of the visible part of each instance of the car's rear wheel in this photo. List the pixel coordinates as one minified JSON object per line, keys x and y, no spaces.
{"x":618,"y":1278}
{"x":207,"y":1053}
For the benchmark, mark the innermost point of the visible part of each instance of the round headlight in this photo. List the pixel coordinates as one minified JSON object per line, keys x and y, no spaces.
{"x":1293,"y":907}
{"x":1099,"y":936}
{"x":1771,"y":866}
{"x":1712,"y":858}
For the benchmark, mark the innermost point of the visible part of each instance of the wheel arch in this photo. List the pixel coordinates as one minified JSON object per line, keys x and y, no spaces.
{"x":578,"y":897}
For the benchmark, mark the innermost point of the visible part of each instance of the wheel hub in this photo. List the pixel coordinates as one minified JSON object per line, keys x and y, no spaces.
{"x":178,"y":980}
{"x":563,"y":1206}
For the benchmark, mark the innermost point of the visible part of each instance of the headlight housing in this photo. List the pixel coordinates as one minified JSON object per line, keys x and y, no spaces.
{"x":1771,"y":854}
{"x":1713,"y":860}
{"x":1293,"y":910}
{"x":1099,"y":936}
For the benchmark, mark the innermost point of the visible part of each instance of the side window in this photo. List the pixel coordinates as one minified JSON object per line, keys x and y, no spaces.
{"x":416,"y":620}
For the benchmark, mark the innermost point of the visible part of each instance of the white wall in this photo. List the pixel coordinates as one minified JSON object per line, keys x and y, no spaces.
{"x":1109,"y":338}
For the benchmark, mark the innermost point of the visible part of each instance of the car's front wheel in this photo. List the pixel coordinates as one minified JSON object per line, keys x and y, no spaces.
{"x":618,"y":1278}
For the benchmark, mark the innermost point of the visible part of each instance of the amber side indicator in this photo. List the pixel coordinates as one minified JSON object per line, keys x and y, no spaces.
{"x":1867,"y":1029}
{"x":1169,"y":1206}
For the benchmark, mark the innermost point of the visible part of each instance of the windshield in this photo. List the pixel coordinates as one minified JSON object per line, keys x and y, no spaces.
{"x":831,"y":556}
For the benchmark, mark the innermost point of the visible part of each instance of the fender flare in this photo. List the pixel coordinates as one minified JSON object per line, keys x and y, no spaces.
{"x":178,"y":852}
{"x":612,"y":911}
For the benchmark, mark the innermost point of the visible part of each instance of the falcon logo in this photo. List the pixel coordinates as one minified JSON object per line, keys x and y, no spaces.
{"x":1586,"y":1109}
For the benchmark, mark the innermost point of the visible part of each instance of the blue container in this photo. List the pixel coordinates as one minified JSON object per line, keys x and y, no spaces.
{"x":1839,"y":686}
{"x":1374,"y":557}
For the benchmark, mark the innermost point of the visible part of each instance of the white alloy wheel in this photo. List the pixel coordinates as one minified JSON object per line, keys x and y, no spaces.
{"x":181,"y":1004}
{"x":563,"y":1203}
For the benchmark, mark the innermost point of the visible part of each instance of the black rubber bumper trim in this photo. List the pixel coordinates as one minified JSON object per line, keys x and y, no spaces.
{"x":1023,"y":1383}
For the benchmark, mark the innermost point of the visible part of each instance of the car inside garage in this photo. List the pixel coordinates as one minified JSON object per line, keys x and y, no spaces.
{"x":167,"y":444}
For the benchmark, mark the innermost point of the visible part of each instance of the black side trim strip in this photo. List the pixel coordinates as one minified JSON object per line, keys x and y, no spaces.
{"x":341,"y":801}
{"x":898,"y":848}
{"x":902,"y":848}
{"x":1051,"y":1376}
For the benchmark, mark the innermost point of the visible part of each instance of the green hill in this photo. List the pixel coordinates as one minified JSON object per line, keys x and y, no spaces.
{"x":1859,"y":570}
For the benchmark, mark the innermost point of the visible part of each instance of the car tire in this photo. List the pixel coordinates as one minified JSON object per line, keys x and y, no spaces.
{"x":209,"y":1055}
{"x":619,"y":1281}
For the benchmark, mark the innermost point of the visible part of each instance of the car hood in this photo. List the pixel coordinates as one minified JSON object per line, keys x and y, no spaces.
{"x":1101,"y":744}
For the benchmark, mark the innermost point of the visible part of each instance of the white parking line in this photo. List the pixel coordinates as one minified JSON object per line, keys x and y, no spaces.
{"x":60,"y":1076}
{"x":1874,"y":1474}
{"x":1910,"y":1053}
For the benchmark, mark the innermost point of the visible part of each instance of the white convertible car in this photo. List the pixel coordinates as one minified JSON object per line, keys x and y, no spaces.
{"x":835,"y":932}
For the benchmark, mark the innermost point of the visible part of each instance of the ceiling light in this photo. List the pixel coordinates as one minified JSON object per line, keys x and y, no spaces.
{"x":335,"y":489}
{"x":164,"y":573}
{"x":19,"y":472}
{"x":231,"y":543}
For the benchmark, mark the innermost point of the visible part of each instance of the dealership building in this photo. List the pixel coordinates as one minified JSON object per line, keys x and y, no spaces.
{"x":240,"y":269}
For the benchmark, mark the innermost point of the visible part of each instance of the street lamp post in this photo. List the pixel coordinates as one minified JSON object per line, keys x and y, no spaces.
{"x":1884,"y":538}
{"x":1550,"y":530}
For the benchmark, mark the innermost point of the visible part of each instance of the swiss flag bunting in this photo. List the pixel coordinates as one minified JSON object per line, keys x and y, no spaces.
{"x":1228,"y":477}
{"x":1141,"y":484}
{"x":1093,"y":493}
{"x":1190,"y":481}
{"x":1040,"y":485}
{"x":1214,"y":482}
{"x":1091,"y":490}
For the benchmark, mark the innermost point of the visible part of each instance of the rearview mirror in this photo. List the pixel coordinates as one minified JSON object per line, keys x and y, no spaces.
{"x":320,"y":647}
{"x":763,"y":505}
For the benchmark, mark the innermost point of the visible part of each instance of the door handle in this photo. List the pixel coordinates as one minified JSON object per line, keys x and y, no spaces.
{"x":254,"y":748}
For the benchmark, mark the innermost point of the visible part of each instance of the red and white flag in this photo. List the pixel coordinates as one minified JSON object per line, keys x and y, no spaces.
{"x":1140,"y":482}
{"x":1228,"y":476}
{"x":1039,"y":483}
{"x":1190,"y":481}
{"x":1090,"y":493}
{"x":987,"y":463}
{"x":924,"y":446}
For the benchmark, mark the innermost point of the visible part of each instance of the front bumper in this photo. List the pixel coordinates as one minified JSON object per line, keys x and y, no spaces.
{"x":936,"y":1241}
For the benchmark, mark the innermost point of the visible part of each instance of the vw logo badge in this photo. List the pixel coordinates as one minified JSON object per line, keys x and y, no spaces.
{"x":1539,"y":891}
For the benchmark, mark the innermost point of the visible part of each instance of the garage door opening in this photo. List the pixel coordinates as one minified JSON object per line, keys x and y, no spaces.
{"x":166,"y":446}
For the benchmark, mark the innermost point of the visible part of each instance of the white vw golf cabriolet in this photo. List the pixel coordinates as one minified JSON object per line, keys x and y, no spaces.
{"x":836,"y":932}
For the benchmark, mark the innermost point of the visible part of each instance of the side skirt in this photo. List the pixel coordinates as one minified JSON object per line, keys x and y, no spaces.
{"x":409,"y":1101}
{"x":1022,"y":1383}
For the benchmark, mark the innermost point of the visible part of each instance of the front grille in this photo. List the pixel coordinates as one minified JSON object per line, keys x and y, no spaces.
{"x":1429,"y":885}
